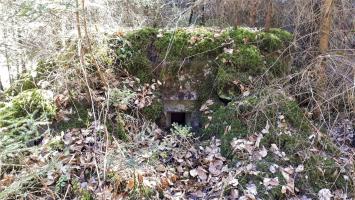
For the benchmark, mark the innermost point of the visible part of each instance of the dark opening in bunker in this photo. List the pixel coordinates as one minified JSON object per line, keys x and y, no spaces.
{"x":178,"y":117}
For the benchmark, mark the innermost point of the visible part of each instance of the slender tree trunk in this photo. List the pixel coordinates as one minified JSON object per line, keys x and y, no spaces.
{"x":191,"y":16}
{"x":20,"y":61}
{"x":236,"y":20}
{"x":77,"y":16}
{"x":325,"y":28}
{"x":17,"y":69}
{"x":192,"y":12}
{"x":326,"y":24}
{"x":203,"y":14}
{"x":268,"y":16}
{"x":85,"y":25}
{"x":253,"y":11}
{"x":1,"y":86}
{"x":7,"y":56}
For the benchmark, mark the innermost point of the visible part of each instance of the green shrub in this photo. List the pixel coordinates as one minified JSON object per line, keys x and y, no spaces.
{"x":31,"y":101}
{"x":182,"y":131}
{"x":22,"y":117}
{"x":26,"y":82}
{"x":121,"y":97}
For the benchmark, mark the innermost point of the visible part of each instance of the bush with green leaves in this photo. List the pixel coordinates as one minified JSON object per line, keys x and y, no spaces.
{"x":121,"y":96}
{"x":21,"y":118}
{"x":182,"y":131}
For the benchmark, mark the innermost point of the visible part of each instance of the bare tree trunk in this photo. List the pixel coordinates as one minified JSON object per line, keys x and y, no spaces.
{"x":191,"y":13}
{"x":85,"y":25}
{"x":326,"y":24}
{"x":268,"y":16}
{"x":77,"y":16}
{"x":253,"y":10}
{"x":236,"y":20}
{"x":7,"y":56}
{"x":191,"y":16}
{"x":1,"y":86}
{"x":203,"y":14}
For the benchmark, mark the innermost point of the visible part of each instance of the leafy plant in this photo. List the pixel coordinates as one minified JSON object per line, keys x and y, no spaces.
{"x":182,"y":131}
{"x":121,"y":97}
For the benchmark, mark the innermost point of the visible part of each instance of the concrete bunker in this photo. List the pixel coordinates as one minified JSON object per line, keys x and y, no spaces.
{"x":181,"y":108}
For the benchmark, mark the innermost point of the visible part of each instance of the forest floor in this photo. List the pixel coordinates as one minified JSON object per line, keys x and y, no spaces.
{"x":85,"y":132}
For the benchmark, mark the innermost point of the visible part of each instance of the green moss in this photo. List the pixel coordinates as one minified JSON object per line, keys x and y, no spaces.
{"x":116,"y":127}
{"x":283,"y":35}
{"x":269,"y":42}
{"x":79,"y":118}
{"x":86,"y":195}
{"x":141,"y":51}
{"x":263,"y":192}
{"x":226,"y":78}
{"x":223,"y":117}
{"x":173,"y":45}
{"x":322,"y":172}
{"x":225,"y":87}
{"x":154,"y":111}
{"x":325,"y":143}
{"x":141,"y":67}
{"x":33,"y":100}
{"x":141,"y":39}
{"x":56,"y":145}
{"x":26,"y":82}
{"x":244,"y":59}
{"x":134,"y":54}
{"x":233,"y":114}
{"x":290,"y":144}
{"x":207,"y":44}
{"x":206,"y":89}
{"x":242,"y":35}
{"x":295,"y":115}
{"x":273,"y":40}
{"x":243,"y":62}
{"x":270,"y":104}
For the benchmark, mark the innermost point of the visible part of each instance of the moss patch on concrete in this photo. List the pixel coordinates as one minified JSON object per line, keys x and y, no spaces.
{"x":147,"y":52}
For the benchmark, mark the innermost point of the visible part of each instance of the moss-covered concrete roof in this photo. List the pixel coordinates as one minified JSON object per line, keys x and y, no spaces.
{"x":189,"y":58}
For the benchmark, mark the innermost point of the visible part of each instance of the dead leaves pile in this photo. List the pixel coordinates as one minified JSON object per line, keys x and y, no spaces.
{"x":201,"y":171}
